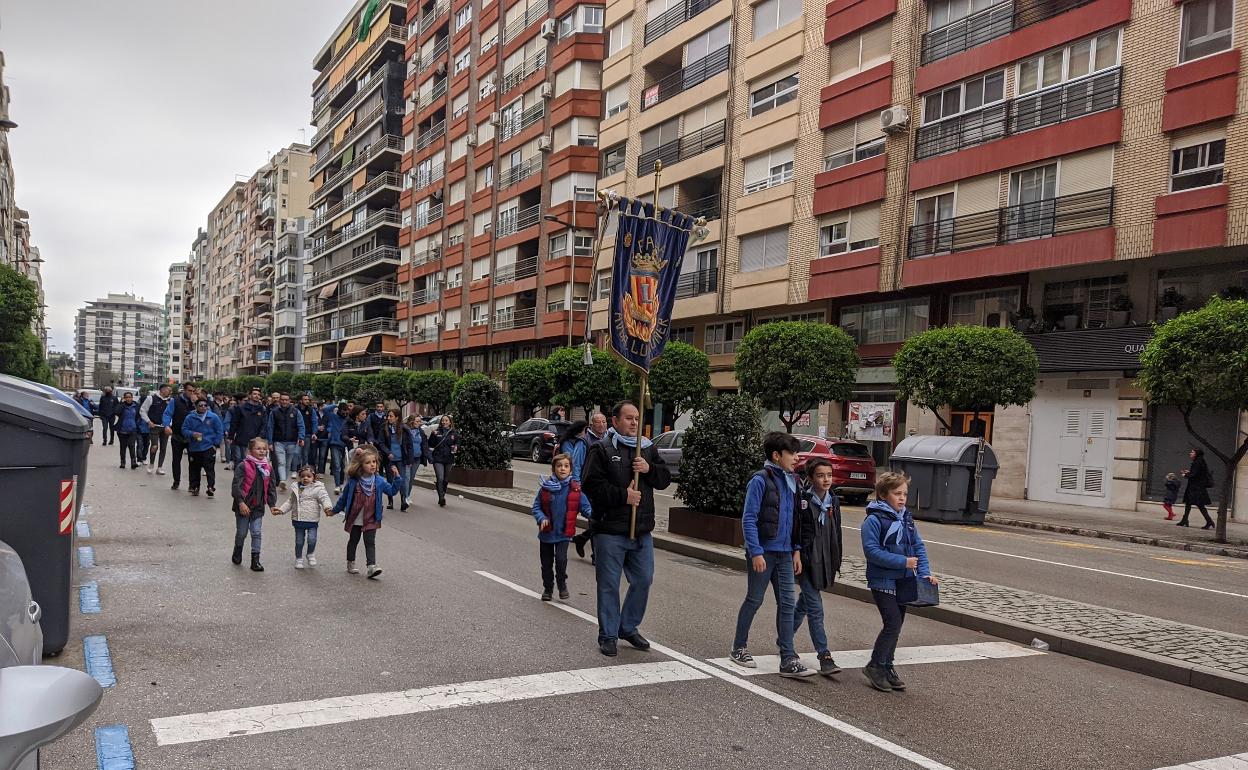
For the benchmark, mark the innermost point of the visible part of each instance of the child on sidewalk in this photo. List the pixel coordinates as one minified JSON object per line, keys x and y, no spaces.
{"x":558,"y":502}
{"x":253,"y":489}
{"x":771,"y":543}
{"x":305,"y":501}
{"x":360,"y":501}
{"x":895,"y":553}
{"x":819,"y":526}
{"x":1172,"y":495}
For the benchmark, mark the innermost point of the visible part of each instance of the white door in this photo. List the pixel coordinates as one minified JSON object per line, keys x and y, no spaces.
{"x":1083,"y":452}
{"x":1070,"y":455}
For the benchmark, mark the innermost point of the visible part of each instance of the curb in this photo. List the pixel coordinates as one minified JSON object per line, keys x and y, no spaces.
{"x":1115,"y":656}
{"x":1214,"y":549}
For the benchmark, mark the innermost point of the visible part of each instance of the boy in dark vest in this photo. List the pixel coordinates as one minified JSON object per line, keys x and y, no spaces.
{"x":819,"y":528}
{"x":558,"y":502}
{"x":772,"y":545}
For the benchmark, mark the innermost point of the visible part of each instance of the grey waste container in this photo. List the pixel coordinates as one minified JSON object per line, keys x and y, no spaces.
{"x":43,"y":470}
{"x":942,"y":473}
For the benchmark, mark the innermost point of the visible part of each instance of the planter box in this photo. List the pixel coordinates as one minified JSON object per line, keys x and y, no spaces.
{"x":471,"y":477}
{"x":725,"y":530}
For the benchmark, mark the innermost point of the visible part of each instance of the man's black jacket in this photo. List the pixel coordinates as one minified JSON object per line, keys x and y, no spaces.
{"x":607,"y":474}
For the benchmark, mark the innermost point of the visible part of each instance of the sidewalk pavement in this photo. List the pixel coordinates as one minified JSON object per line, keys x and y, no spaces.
{"x":1140,"y":527}
{"x":1190,"y":655}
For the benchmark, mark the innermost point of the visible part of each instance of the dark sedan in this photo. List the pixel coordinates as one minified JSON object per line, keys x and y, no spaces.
{"x":537,"y":438}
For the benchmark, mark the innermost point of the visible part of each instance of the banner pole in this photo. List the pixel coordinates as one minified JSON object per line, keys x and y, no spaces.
{"x":641,"y":414}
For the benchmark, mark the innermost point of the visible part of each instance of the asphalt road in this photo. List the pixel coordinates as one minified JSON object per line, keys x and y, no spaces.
{"x":1198,"y":589}
{"x":190,"y":633}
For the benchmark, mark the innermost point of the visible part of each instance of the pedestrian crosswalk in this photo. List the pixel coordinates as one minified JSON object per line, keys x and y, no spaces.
{"x":1235,"y":762}
{"x":906,"y":656}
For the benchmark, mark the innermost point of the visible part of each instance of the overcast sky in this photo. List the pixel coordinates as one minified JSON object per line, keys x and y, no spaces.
{"x":133,"y":118}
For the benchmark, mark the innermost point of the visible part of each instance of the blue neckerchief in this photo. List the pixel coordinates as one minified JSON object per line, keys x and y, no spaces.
{"x":368,"y":484}
{"x":552,"y":483}
{"x":788,"y":477}
{"x":824,"y":505}
{"x":628,"y":441}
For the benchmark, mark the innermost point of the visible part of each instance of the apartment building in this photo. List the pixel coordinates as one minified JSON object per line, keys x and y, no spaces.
{"x":358,"y":110}
{"x":172,"y":353}
{"x":889,"y":165}
{"x":195,"y":310}
{"x":117,"y":340}
{"x":222,"y":278}
{"x":16,"y":250}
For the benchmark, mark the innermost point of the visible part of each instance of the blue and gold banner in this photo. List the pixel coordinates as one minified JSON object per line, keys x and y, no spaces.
{"x":649,"y":248}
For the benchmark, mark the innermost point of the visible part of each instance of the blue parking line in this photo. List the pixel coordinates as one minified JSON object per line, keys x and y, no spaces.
{"x":86,"y":556}
{"x":89,"y":598}
{"x":99,"y":662}
{"x":112,"y":748}
{"x":84,"y":529}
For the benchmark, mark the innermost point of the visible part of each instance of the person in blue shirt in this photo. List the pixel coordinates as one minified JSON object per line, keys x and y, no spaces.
{"x":558,"y":502}
{"x":202,"y":430}
{"x":335,"y":419}
{"x":772,"y":543}
{"x":126,"y":423}
{"x":415,"y":452}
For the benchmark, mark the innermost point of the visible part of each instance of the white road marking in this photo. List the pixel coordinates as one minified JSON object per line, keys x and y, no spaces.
{"x":854,"y":732}
{"x":906,"y":656}
{"x":1086,"y":569}
{"x":214,"y":725}
{"x":1236,"y":762}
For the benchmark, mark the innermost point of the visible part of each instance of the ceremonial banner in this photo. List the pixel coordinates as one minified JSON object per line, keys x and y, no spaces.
{"x":649,"y":247}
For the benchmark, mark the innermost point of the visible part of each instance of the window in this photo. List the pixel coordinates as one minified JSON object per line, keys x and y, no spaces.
{"x":769,"y":169}
{"x":1069,"y":63}
{"x":488,"y":42}
{"x":602,"y":285}
{"x":885,"y":322}
{"x":771,"y":15}
{"x":722,"y":339}
{"x":1199,"y":165}
{"x":852,"y":141}
{"x":480,"y":268}
{"x":833,"y":239}
{"x":983,"y":308}
{"x":773,"y":95}
{"x":855,"y":229}
{"x":764,"y":250}
{"x":681,"y":334}
{"x":616,"y":98}
{"x":933,"y":209}
{"x":942,"y":13}
{"x":964,"y":97}
{"x":708,"y":42}
{"x":487,"y":83}
{"x":463,"y":16}
{"x":590,"y":20}
{"x":459,"y":105}
{"x":455,"y":277}
{"x":485,"y":177}
{"x":480,"y":315}
{"x":1206,"y":28}
{"x":1088,"y":299}
{"x":620,"y":36}
{"x":851,"y":55}
{"x":463,"y":59}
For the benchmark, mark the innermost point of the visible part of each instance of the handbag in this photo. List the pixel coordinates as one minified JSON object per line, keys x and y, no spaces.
{"x":907,"y":589}
{"x":926,"y":594}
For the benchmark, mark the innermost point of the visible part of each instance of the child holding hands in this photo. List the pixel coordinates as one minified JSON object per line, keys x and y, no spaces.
{"x":253,"y":488}
{"x":304,"y":502}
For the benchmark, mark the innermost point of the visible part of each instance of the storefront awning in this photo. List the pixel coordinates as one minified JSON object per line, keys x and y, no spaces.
{"x":328,"y":290}
{"x":357,"y":346}
{"x":312,"y":355}
{"x":389,"y":344}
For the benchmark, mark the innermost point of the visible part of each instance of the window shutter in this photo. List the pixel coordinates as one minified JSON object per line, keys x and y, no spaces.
{"x":864,"y":224}
{"x":777,"y":247}
{"x":782,"y":155}
{"x":869,"y":128}
{"x":753,"y":252}
{"x":877,"y":45}
{"x":843,"y":56}
{"x":838,"y":138}
{"x":755,"y":169}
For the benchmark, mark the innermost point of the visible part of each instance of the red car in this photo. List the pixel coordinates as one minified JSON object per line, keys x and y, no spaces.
{"x":853,"y":468}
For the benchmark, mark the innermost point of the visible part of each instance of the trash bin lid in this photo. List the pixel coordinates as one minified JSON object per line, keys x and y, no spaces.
{"x":29,"y":405}
{"x":947,"y":450}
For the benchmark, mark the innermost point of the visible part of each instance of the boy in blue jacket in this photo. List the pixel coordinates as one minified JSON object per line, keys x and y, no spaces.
{"x":894,"y":552}
{"x":558,"y":502}
{"x":203,"y":430}
{"x":773,"y":548}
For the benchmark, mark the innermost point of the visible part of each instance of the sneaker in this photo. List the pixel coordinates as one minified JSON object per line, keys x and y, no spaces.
{"x":894,"y":681}
{"x":337,"y":490}
{"x":194,"y":492}
{"x":160,"y":471}
{"x":743,"y":658}
{"x":298,"y":563}
{"x":150,"y":470}
{"x":793,"y":669}
{"x":404,"y":507}
{"x":827,"y":666}
{"x":563,"y":594}
{"x":352,"y":569}
{"x":875,"y":675}
{"x":211,"y":491}
{"x":227,"y":467}
{"x":547,"y":595}
{"x":374,"y":572}
{"x":311,"y":560}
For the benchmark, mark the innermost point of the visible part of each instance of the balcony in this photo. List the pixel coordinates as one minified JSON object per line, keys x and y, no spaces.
{"x":674,"y":17}
{"x":520,"y":171}
{"x":388,"y":179}
{"x":517,"y":124}
{"x":682,"y":80}
{"x":439,"y":48}
{"x":682,"y":148}
{"x":513,"y":318}
{"x":698,"y":282}
{"x":361,"y":127}
{"x":512,"y":221}
{"x":525,"y":267}
{"x":427,"y":175}
{"x":708,"y":208}
{"x":427,"y":20}
{"x":524,"y":69}
{"x":988,"y":24}
{"x":366,"y":86}
{"x":380,"y":361}
{"x":530,"y":16}
{"x":362,"y":159}
{"x":393,"y":33}
{"x":424,"y":217}
{"x":353,"y":231}
{"x":379,"y":254}
{"x":426,"y":334}
{"x":1068,"y":101}
{"x":287,"y":304}
{"x":428,"y":136}
{"x":373,"y":326}
{"x":286,"y":331}
{"x":1025,"y":221}
{"x":388,"y":289}
{"x":426,"y":295}
{"x":426,"y":98}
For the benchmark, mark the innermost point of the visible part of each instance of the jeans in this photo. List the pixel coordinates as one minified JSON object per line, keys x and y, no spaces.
{"x":810,"y":605}
{"x":554,"y":565}
{"x":779,"y":575}
{"x":893,"y":614}
{"x":308,"y":452}
{"x":179,"y":446}
{"x":370,"y":544}
{"x":300,"y":534}
{"x":128,"y":441}
{"x":143,"y":443}
{"x":406,"y":472}
{"x":337,"y":458}
{"x":442,"y":472}
{"x":320,"y":452}
{"x":205,"y":461}
{"x":287,"y":455}
{"x":244,"y":524}
{"x":634,"y":559}
{"x":238,"y":453}
{"x":159,"y":442}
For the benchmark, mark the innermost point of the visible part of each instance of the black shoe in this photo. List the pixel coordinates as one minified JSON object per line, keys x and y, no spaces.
{"x":894,"y":681}
{"x":579,"y":542}
{"x":793,"y":669}
{"x":1207,"y":526}
{"x":404,"y":507}
{"x":563,"y":592}
{"x":607,"y":647}
{"x":547,"y":595}
{"x":256,"y":566}
{"x":442,"y":502}
{"x":174,"y":485}
{"x":827,"y":666}
{"x":122,"y":466}
{"x":877,"y":678}
{"x":210,"y":491}
{"x":1182,"y":523}
{"x":389,"y":506}
{"x":637,"y":640}
{"x":237,"y":557}
{"x":194,"y":492}
{"x":133,"y":466}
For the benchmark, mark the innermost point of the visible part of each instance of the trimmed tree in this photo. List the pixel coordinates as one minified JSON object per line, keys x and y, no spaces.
{"x":575,"y":384}
{"x":21,"y":352}
{"x":480,"y":412}
{"x":793,"y":366}
{"x":1199,"y":360}
{"x":346,"y":385}
{"x":371,"y":390}
{"x":323,"y":386}
{"x":722,"y":449}
{"x":680,"y":379}
{"x":249,"y":381}
{"x":279,"y":382}
{"x":966,"y":367}
{"x":301,"y":383}
{"x":434,"y":388}
{"x":228,"y":385}
{"x":528,"y":384}
{"x":393,"y":384}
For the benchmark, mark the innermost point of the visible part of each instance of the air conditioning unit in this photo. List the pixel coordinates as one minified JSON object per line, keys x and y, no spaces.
{"x":438,"y":320}
{"x":414,"y":99}
{"x":548,"y":90}
{"x":435,"y":252}
{"x":548,"y":29}
{"x":543,"y":143}
{"x":471,"y":139}
{"x":495,"y":118}
{"x":437,"y":195}
{"x":413,"y":173}
{"x":894,"y":119}
{"x":440,"y":69}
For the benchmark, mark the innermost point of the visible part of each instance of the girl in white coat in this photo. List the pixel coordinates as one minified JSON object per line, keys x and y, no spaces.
{"x":305,"y":502}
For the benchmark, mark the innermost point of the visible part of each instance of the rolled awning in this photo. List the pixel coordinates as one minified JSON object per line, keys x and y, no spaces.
{"x":328,"y":290}
{"x":389,"y":344}
{"x":357,"y":346}
{"x":312,"y":355}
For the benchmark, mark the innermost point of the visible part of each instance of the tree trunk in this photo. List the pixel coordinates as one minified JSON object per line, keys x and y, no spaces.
{"x":1228,"y":484}
{"x":793,"y":417}
{"x":941,"y":420}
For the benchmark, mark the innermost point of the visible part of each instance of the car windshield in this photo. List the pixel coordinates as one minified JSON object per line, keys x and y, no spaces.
{"x":805,"y":445}
{"x":857,"y":451}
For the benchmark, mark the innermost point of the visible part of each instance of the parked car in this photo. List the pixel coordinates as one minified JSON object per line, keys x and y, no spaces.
{"x":537,"y":438}
{"x":853,"y":467}
{"x":431,"y":424}
{"x":671,"y":448}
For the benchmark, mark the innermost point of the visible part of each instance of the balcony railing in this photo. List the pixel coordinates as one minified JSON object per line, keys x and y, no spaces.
{"x":430,"y":134}
{"x":988,"y":24}
{"x":362,"y":158}
{"x":427,"y":98}
{"x":379,"y":254}
{"x":1038,"y":219}
{"x":708,"y":207}
{"x":377,"y":218}
{"x":425,"y":334}
{"x":427,"y":175}
{"x":523,"y":121}
{"x":342,"y":299}
{"x":682,"y":80}
{"x":699,"y":282}
{"x":512,"y":221}
{"x":439,"y":48}
{"x":424,"y":216}
{"x":515,"y":319}
{"x":1094,"y":93}
{"x":674,"y":17}
{"x":393,"y":32}
{"x":374,"y":326}
{"x":518,"y":73}
{"x":388,"y":179}
{"x":521,"y":171}
{"x":358,"y":362}
{"x":514,"y":29}
{"x":521,"y":268}
{"x":683,"y":148}
{"x":428,"y":19}
{"x":286,"y":331}
{"x":424,"y":296}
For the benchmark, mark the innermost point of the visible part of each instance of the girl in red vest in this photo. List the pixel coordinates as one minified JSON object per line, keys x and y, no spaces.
{"x":559,"y":500}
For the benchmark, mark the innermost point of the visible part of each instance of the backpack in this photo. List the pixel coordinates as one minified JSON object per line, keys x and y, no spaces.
{"x":574,"y":506}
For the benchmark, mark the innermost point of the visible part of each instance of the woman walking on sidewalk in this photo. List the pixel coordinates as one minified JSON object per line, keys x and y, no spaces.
{"x":443,"y":445}
{"x":1197,"y":491}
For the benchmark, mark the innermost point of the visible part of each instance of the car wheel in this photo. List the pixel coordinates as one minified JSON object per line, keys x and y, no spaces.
{"x":536,"y":454}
